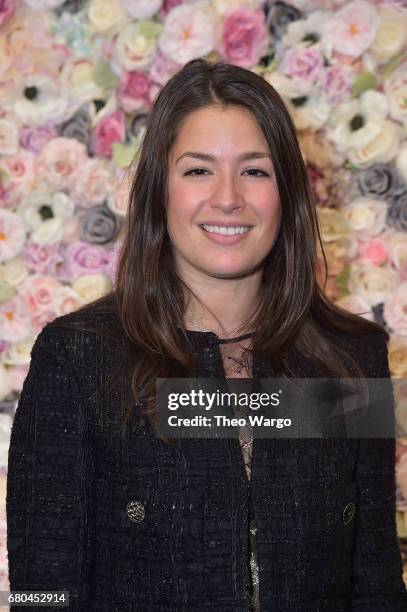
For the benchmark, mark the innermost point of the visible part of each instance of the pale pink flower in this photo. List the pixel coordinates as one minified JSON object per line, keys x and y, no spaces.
{"x":189,"y":33}
{"x":303,"y":63}
{"x":41,"y":318}
{"x":95,"y":183}
{"x":245,"y":36}
{"x":352,"y":28}
{"x":162,"y":69}
{"x":111,"y":129}
{"x":15,"y":320}
{"x":42,"y":258}
{"x":335,"y":83}
{"x":12,"y":235}
{"x":38,"y":292}
{"x":20,"y":169}
{"x":82,"y":258}
{"x":60,"y":161}
{"x":140,"y":9}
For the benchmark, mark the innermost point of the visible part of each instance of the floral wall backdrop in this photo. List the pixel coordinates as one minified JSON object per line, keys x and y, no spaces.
{"x":77,"y":80}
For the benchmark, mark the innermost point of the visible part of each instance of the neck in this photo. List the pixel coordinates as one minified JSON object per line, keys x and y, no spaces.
{"x":224,"y":304}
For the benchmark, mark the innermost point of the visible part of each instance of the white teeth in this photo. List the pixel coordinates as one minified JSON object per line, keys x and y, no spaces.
{"x":227,"y":231}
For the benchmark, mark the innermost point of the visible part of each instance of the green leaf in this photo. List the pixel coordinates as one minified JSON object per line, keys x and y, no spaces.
{"x":341,"y":280}
{"x":6,"y":292}
{"x":365,"y":80}
{"x":124,"y":153}
{"x":401,"y":525}
{"x":104,"y":76}
{"x":149,"y":28}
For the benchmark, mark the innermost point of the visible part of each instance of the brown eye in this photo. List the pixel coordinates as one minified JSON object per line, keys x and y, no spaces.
{"x":195,"y":170}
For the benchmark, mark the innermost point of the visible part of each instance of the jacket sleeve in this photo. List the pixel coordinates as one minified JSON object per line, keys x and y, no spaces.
{"x":377,"y":568}
{"x":50,"y":524}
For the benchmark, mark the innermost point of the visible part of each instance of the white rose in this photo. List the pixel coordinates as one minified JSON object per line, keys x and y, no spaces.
{"x":366,"y":217}
{"x":91,"y":286}
{"x":286,"y":87}
{"x":19,"y":353}
{"x":312,"y":115}
{"x":135,"y":50}
{"x":13,"y":272}
{"x":391,"y":37}
{"x":67,"y":300}
{"x":106,"y":16}
{"x":398,"y":249}
{"x":382,"y":148}
{"x":224,"y":5}
{"x":373,"y":283}
{"x":140,"y":9}
{"x":77,"y":77}
{"x":396,"y":91}
{"x":401,"y":161}
{"x":8,"y":137}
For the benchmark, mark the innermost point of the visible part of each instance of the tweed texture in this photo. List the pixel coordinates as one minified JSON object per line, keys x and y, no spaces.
{"x":72,"y":472}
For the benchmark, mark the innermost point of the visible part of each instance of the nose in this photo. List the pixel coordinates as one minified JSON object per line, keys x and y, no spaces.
{"x":227,"y":196}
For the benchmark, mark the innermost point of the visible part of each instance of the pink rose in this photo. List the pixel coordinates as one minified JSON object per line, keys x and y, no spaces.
{"x":335,"y":84}
{"x":42,"y":258}
{"x":244,"y":36}
{"x":34,"y":139}
{"x":38,"y":292}
{"x":82,"y":258}
{"x":133,"y":92}
{"x":302,"y":63}
{"x":162,"y":69}
{"x":7,"y":8}
{"x":374,"y":251}
{"x":110,"y":129}
{"x":41,"y":318}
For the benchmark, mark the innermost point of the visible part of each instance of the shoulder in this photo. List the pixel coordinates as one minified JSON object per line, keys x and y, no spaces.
{"x":367,"y":348}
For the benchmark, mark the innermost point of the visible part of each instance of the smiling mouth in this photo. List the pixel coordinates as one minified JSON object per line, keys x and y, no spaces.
{"x":226,"y":231}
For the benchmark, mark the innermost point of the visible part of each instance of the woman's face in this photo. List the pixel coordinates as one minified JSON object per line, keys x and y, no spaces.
{"x":223,"y":204}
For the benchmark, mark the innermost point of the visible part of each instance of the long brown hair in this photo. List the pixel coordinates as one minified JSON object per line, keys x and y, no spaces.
{"x":148,"y":296}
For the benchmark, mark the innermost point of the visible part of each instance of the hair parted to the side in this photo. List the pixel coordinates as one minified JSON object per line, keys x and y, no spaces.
{"x":148,"y":296}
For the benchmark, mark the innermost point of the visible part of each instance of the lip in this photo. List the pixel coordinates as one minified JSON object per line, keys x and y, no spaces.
{"x":225,"y":223}
{"x":224,"y":239}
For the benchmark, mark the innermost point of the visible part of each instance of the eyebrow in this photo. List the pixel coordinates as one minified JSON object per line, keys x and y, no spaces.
{"x":243,"y":157}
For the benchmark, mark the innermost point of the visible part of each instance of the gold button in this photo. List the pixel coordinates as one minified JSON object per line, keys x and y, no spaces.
{"x":348,"y":513}
{"x":135,"y":511}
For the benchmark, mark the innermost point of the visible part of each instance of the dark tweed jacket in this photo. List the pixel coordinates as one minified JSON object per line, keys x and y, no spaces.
{"x":72,"y":474}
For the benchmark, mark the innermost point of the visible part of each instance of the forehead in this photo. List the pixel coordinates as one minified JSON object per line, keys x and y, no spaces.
{"x":215,"y":126}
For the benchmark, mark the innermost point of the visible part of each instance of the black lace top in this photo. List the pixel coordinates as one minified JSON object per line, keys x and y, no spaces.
{"x":125,"y":522}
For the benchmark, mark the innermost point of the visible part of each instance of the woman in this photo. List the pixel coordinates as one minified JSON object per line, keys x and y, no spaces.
{"x":100,"y":506}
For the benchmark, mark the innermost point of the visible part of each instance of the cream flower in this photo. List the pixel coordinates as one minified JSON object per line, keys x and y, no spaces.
{"x":395,"y":310}
{"x":395,"y":88}
{"x":398,"y":249}
{"x":353,"y":27}
{"x":91,"y":286}
{"x":397,"y":349}
{"x":391,"y":36}
{"x":222,"y":6}
{"x":366,"y":217}
{"x":401,"y":161}
{"x":189,"y":32}
{"x":140,"y":9}
{"x":382,"y":148}
{"x":312,"y":25}
{"x":13,"y":272}
{"x":67,"y":300}
{"x":106,"y":16}
{"x":286,"y":87}
{"x":77,"y":77}
{"x":374,"y":284}
{"x":312,"y":115}
{"x":19,"y":353}
{"x":136,"y":45}
{"x":332,"y":223}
